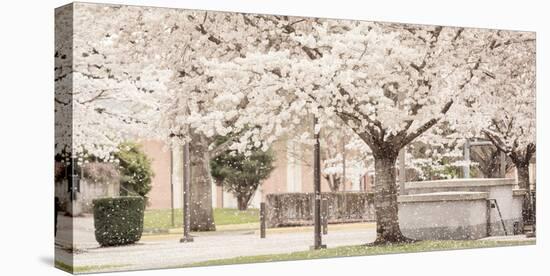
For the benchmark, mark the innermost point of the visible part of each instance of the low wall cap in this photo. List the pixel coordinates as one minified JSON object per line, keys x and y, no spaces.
{"x":443,"y":196}
{"x":460,"y":182}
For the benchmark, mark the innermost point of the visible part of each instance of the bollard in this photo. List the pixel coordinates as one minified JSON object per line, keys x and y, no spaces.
{"x":324,"y":210}
{"x":488,"y":223}
{"x":262,"y":220}
{"x":57,"y":208}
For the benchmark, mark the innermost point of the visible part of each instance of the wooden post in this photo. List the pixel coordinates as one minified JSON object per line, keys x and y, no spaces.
{"x":262,"y":220}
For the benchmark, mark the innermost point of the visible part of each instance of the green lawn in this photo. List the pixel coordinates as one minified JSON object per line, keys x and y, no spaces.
{"x":84,"y":269}
{"x":343,"y":251}
{"x":162,"y":219}
{"x":361,"y":250}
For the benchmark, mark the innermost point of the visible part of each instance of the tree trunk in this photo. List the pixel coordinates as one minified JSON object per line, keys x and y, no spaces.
{"x":385,"y":202}
{"x":523,"y":182}
{"x":333,"y":182}
{"x":491,"y":168}
{"x":523,"y":176}
{"x":242,"y":202}
{"x":200,"y":205}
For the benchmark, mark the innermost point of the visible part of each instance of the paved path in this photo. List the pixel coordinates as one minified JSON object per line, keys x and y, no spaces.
{"x":167,"y":251}
{"x":509,"y":238}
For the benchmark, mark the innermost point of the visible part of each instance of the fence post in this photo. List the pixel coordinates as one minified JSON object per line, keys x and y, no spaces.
{"x":262,"y":220}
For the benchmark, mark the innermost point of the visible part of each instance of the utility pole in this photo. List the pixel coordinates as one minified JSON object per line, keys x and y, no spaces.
{"x":402,"y":171}
{"x":318,"y":244}
{"x":186,"y":195}
{"x":173,"y":217}
{"x":466,"y":168}
{"x":401,"y":156}
{"x":343,"y":164}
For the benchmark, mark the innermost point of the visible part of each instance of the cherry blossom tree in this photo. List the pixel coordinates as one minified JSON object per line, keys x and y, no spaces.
{"x":489,"y":162}
{"x":344,"y":157}
{"x":437,"y":153}
{"x":512,"y":117}
{"x":506,"y":109}
{"x":105,"y":95}
{"x":186,"y":76}
{"x":187,"y":37}
{"x":114,"y":60}
{"x":389,"y":83}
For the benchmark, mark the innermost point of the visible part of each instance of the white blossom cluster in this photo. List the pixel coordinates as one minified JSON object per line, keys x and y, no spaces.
{"x":162,"y":73}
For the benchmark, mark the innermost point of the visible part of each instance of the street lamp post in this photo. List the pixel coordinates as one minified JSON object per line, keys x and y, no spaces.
{"x":186,"y":195}
{"x":318,"y":244}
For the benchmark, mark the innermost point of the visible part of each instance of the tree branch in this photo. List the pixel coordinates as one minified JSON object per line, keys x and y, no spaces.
{"x":409,"y":138}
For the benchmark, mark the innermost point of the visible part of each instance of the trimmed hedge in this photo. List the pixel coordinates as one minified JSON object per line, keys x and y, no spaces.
{"x":119,"y":220}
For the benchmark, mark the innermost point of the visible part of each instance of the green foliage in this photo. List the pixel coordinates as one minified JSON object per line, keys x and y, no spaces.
{"x":241,"y":173}
{"x":118,"y":221}
{"x":135,"y":170}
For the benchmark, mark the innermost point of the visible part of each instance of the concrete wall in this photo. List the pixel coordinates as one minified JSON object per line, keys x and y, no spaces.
{"x":444,"y":216}
{"x":90,"y":189}
{"x":499,"y":189}
{"x":291,"y":209}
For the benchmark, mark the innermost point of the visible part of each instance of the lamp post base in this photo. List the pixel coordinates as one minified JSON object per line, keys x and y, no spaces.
{"x":186,"y":239}
{"x":322,"y":246}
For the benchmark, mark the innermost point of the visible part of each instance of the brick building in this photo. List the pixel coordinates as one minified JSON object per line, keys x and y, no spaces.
{"x":291,"y":174}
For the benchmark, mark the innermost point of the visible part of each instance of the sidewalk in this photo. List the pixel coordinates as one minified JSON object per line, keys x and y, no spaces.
{"x":83,"y":238}
{"x":509,"y":238}
{"x":165,"y":250}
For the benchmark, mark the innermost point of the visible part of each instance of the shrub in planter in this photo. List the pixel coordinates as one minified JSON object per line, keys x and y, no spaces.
{"x":119,"y":220}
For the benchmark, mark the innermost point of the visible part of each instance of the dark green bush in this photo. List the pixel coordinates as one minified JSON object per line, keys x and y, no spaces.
{"x":240,"y":173}
{"x":135,"y":170}
{"x":119,"y":220}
